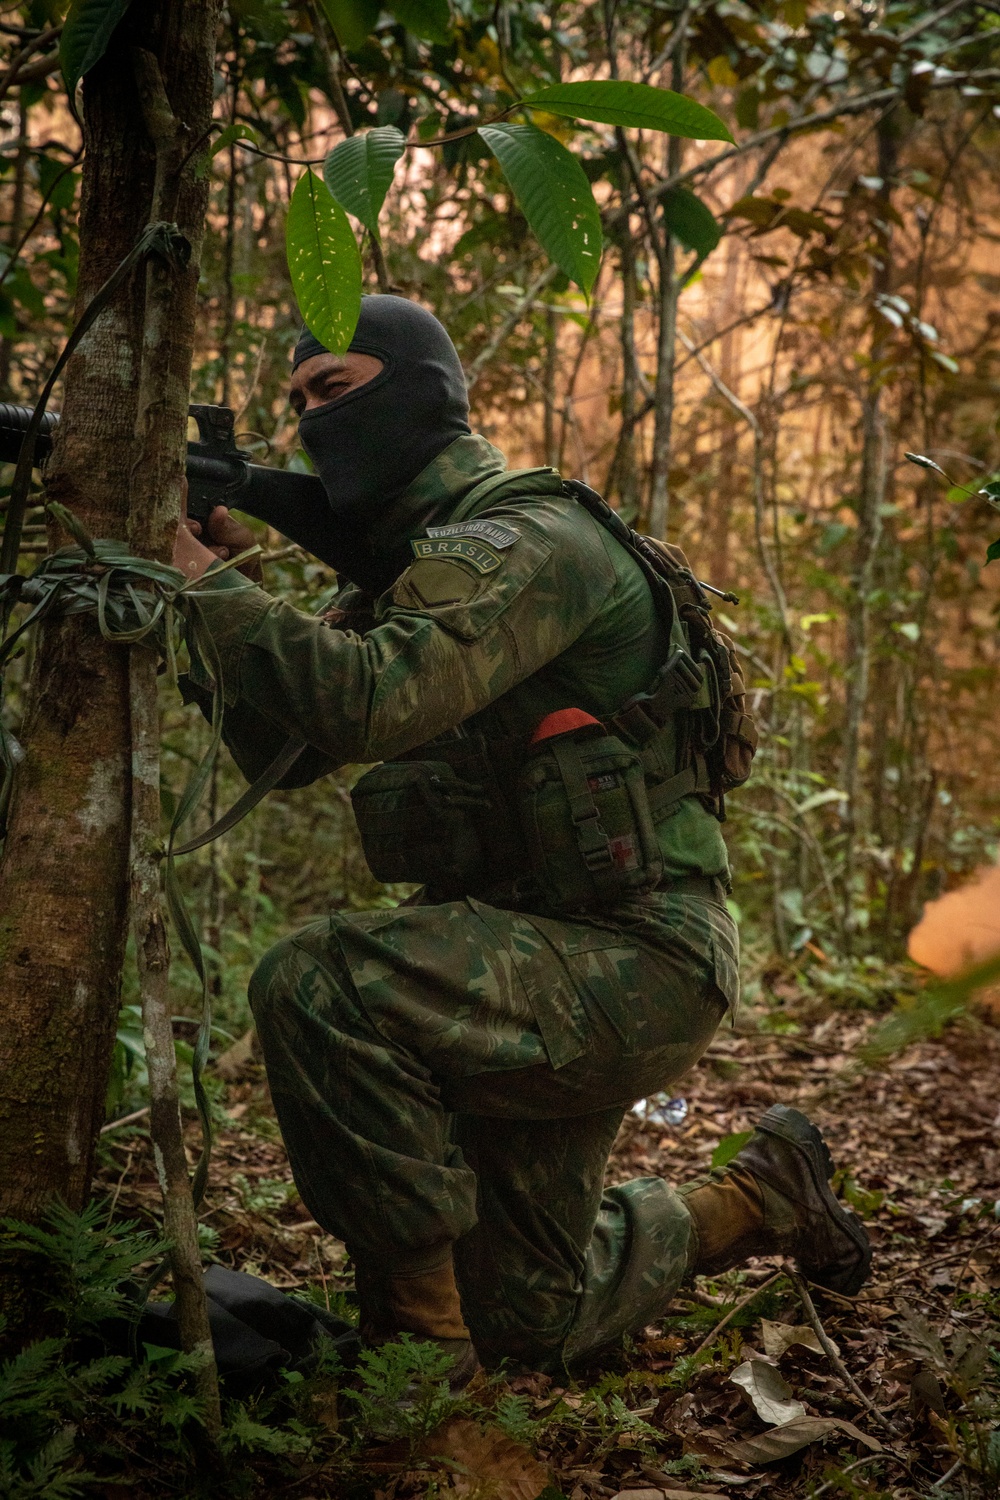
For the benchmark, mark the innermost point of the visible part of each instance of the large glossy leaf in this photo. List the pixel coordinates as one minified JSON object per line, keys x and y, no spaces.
{"x":428,"y":19}
{"x":637,"y":106}
{"x":352,"y":20}
{"x":324,"y":263}
{"x":556,"y":198}
{"x":85,"y":36}
{"x":359,"y":170}
{"x":690,"y":221}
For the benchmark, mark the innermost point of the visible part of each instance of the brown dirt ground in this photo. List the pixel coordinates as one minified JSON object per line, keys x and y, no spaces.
{"x":919,"y":1138}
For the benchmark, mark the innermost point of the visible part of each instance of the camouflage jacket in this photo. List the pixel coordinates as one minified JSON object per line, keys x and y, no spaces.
{"x":532,"y":608}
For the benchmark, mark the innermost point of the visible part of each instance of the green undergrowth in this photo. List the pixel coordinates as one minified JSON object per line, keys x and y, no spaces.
{"x":82,"y":1409}
{"x":77,"y":1414}
{"x":84,"y":1414}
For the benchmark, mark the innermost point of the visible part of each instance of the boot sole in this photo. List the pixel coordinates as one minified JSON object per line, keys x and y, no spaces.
{"x":792,"y":1127}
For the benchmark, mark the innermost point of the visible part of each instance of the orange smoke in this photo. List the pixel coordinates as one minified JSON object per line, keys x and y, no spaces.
{"x":960,"y":929}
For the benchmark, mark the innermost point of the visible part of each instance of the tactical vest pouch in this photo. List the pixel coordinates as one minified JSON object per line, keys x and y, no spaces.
{"x":738,"y":737}
{"x":418,"y":823}
{"x":586,"y":820}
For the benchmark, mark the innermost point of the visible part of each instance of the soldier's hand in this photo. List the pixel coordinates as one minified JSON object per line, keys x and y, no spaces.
{"x":227,"y":538}
{"x":190,"y":555}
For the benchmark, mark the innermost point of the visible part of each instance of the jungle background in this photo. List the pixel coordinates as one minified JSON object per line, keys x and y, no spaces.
{"x":774,"y":325}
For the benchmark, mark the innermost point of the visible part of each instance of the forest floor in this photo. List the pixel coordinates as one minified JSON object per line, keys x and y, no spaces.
{"x":915,"y":1396}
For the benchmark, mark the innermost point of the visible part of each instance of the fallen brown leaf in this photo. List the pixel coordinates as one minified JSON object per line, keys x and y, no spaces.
{"x":781,"y":1441}
{"x":769,"y":1392}
{"x":669,"y":1495}
{"x":487,"y":1463}
{"x":777,"y":1337}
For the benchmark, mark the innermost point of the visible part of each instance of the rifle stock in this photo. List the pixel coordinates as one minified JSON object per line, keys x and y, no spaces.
{"x":218,"y":474}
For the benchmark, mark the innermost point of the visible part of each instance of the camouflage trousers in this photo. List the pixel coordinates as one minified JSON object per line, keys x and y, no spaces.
{"x":457,"y":1074}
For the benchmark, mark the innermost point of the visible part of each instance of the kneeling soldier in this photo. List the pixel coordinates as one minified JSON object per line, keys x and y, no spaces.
{"x":556,"y":725}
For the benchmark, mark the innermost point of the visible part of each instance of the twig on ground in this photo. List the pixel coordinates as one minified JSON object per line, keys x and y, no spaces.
{"x":736,"y":1307}
{"x":136,"y":1114}
{"x":118,"y":1185}
{"x":701,"y":1299}
{"x":813,"y":1318}
{"x":870,"y":1458}
{"x":939,"y":1484}
{"x":979,"y":1245}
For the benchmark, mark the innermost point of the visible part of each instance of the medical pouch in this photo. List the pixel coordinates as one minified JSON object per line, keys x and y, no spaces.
{"x":417,"y":821}
{"x":586,"y":820}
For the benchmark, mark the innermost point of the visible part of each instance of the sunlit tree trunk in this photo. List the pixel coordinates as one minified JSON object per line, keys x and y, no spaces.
{"x":871,"y":498}
{"x":666,"y":346}
{"x":64,"y":879}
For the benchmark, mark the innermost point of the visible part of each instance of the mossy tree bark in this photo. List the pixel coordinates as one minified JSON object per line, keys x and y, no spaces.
{"x":64,"y":877}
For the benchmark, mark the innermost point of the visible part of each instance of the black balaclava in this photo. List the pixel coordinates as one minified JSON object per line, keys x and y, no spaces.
{"x":369,"y":445}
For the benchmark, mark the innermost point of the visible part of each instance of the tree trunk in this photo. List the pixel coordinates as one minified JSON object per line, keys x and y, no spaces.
{"x":64,"y":880}
{"x":666,"y":348}
{"x":623,"y":475}
{"x":719,"y":506}
{"x":14,"y":233}
{"x":550,"y":370}
{"x":871,"y":498}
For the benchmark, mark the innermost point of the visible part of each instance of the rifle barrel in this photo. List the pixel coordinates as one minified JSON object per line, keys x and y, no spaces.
{"x":293,"y":503}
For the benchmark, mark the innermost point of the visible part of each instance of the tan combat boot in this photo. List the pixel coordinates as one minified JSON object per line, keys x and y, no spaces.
{"x":425,"y":1303}
{"x":774,"y":1198}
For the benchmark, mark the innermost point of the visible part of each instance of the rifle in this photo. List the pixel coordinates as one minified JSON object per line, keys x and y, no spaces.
{"x":218,"y":472}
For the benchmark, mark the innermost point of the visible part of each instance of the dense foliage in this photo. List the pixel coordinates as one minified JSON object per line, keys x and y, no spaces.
{"x":744,"y":344}
{"x":773,"y":324}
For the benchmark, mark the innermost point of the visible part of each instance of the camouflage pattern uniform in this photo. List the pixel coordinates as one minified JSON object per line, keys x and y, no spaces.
{"x":457,"y":1072}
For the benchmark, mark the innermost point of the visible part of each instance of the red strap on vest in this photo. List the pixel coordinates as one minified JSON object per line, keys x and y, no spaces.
{"x":563,"y":721}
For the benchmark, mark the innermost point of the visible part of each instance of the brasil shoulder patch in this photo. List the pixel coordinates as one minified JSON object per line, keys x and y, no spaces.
{"x":477,"y":554}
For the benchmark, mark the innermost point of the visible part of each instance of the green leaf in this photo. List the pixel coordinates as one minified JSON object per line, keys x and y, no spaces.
{"x":428,"y":19}
{"x":237,"y":131}
{"x":324,"y":264}
{"x":352,"y":20}
{"x":556,"y":198}
{"x":85,"y":36}
{"x":635,"y":105}
{"x":993,"y":551}
{"x":359,"y":170}
{"x":728,"y":1147}
{"x":57,"y":182}
{"x":691,"y":221}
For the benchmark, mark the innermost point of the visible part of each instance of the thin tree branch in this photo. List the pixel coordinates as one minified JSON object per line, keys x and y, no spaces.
{"x":856,"y":106}
{"x":829,"y":1349}
{"x":26,"y":236}
{"x":157,"y":422}
{"x":937,"y":14}
{"x":758,"y":481}
{"x":17,"y":72}
{"x":730,"y":1315}
{"x":509,"y":323}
